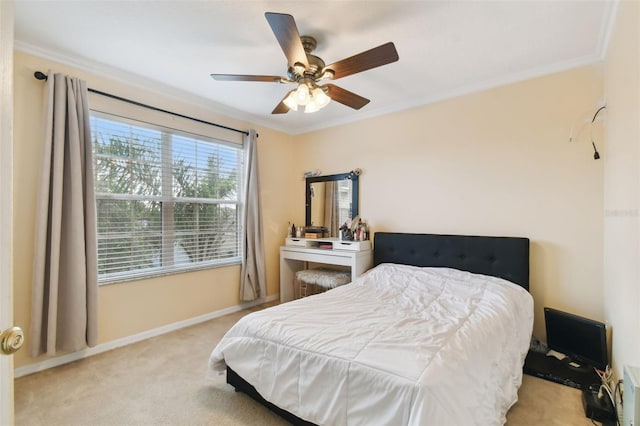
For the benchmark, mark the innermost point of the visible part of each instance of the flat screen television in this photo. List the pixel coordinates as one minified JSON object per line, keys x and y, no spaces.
{"x":583,"y":340}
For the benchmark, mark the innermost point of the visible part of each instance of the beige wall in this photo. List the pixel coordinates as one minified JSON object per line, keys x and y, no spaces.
{"x":130,"y":308}
{"x":621,"y":184}
{"x":496,"y":162}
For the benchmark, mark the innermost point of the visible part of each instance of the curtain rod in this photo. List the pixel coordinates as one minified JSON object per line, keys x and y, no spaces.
{"x":42,"y":76}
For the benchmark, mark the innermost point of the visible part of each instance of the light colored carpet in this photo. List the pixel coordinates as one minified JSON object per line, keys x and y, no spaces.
{"x":163,"y":381}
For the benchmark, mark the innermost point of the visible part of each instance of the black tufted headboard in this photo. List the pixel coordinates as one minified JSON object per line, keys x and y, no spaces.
{"x":503,"y":257}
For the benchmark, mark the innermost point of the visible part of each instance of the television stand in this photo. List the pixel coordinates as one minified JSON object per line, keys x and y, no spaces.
{"x":559,"y":371}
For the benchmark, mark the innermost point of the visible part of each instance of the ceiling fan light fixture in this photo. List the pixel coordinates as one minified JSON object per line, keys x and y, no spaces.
{"x":310,"y":96}
{"x":290,"y":101}
{"x":312,"y":106}
{"x":321,"y":99}
{"x":302,"y":95}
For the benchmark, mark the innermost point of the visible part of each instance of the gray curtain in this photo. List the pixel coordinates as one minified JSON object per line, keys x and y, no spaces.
{"x":65,"y":279}
{"x":253,"y":282}
{"x":331,"y":208}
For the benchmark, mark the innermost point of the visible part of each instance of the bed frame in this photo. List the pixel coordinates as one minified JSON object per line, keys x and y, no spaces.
{"x":502,"y":257}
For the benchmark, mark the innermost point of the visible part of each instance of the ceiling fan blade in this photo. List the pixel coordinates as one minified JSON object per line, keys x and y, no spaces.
{"x":285,"y":29}
{"x":345,"y":97}
{"x":378,"y":56}
{"x":238,"y":77}
{"x":281,"y":108}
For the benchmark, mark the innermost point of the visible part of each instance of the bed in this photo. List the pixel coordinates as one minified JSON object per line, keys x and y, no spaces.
{"x":436,"y":333}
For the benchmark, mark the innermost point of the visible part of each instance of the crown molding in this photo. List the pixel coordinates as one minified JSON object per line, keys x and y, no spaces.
{"x":141,"y":82}
{"x":171,"y":92}
{"x":463,"y":91}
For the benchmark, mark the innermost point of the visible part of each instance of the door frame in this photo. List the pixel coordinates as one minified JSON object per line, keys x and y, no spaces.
{"x":6,"y":204}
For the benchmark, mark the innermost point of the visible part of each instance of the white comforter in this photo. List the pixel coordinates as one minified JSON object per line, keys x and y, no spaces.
{"x":399,"y":346}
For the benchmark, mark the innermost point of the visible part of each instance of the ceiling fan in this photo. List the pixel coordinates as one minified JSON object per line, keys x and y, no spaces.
{"x":307,"y":70}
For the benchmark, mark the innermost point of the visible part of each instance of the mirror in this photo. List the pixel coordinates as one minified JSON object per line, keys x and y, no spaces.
{"x":331,"y":201}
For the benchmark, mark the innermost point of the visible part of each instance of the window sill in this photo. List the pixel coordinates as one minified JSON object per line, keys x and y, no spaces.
{"x":157,"y":273}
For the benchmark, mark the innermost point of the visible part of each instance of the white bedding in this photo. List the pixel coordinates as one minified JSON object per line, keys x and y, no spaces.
{"x":400,"y":345}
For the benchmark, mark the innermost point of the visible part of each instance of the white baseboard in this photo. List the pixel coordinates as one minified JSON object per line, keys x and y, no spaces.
{"x":103,"y":347}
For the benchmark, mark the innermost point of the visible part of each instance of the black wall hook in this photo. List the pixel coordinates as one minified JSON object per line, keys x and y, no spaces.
{"x":39,"y":75}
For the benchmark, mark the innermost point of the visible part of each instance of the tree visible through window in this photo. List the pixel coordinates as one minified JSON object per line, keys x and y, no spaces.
{"x":166,"y":200}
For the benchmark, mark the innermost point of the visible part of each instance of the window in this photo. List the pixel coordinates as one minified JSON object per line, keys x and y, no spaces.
{"x":167,"y":200}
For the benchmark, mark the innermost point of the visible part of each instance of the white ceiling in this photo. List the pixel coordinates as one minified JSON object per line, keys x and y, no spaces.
{"x":446,"y":48}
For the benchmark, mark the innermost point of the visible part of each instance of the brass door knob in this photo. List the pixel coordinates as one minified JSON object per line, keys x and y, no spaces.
{"x":11,"y":340}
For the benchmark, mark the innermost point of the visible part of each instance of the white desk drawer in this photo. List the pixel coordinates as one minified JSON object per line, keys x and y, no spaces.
{"x":296,"y":242}
{"x":352,"y":245}
{"x":328,"y":243}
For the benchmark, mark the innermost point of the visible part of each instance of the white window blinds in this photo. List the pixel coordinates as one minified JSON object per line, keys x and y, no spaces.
{"x":167,"y":201}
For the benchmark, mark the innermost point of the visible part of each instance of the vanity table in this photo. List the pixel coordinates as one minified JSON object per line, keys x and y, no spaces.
{"x":330,"y":201}
{"x":297,"y":252}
